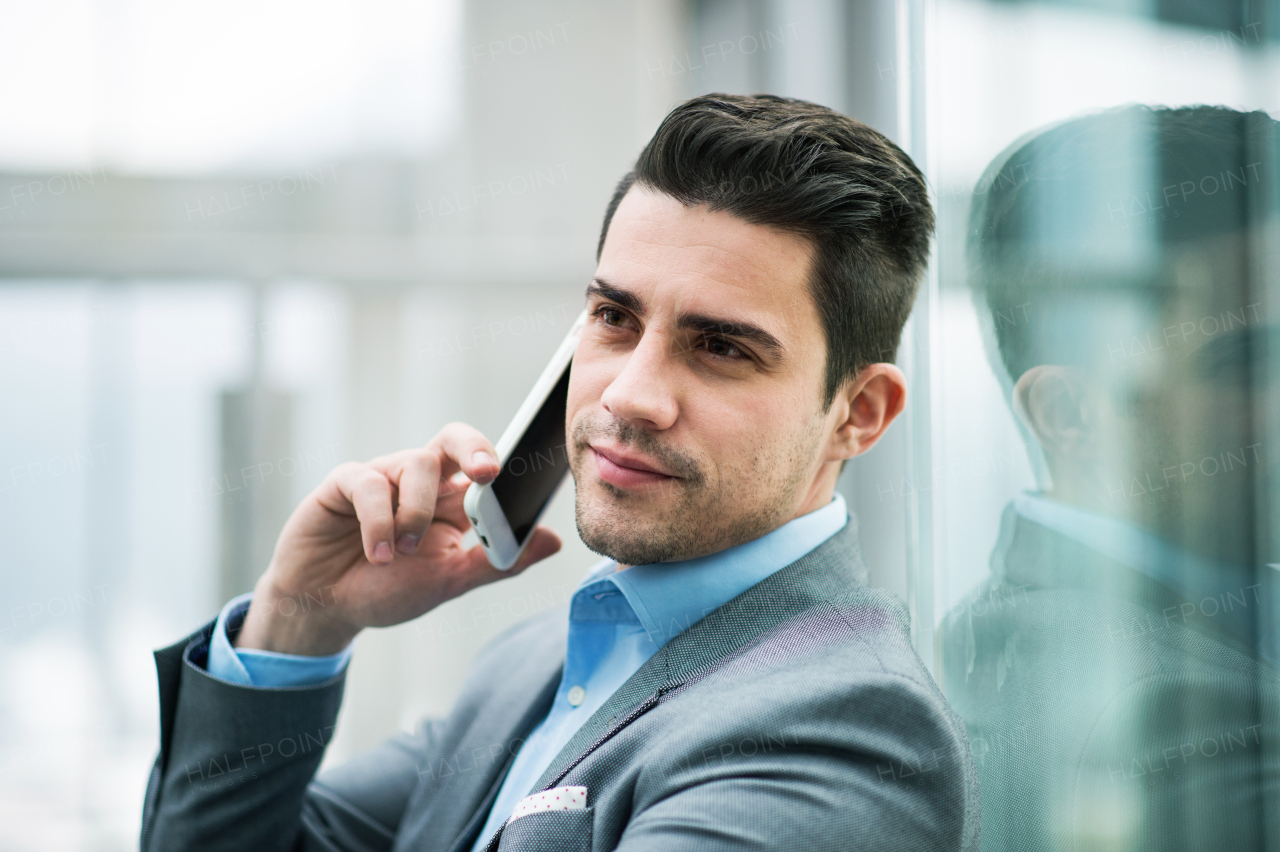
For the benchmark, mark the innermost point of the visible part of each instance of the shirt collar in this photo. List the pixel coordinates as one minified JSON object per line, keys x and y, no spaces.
{"x":1119,"y":540}
{"x":670,"y":597}
{"x":1193,"y":577}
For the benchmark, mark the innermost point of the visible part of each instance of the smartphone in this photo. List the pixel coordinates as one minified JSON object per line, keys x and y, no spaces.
{"x":534,"y":459}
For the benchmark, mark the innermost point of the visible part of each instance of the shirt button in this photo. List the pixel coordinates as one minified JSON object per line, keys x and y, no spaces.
{"x":577,"y":695}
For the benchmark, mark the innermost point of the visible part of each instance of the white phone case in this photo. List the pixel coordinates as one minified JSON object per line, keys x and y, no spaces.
{"x":480,"y":503}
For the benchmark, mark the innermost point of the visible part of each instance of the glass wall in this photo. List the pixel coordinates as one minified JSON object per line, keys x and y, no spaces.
{"x":1103,"y":361}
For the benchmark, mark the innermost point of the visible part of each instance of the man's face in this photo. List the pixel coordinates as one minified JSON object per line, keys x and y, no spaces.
{"x":702,"y":360}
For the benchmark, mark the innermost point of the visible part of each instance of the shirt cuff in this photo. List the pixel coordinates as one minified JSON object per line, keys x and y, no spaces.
{"x":251,"y":667}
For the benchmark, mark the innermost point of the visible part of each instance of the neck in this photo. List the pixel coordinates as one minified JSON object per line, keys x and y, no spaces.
{"x":821,"y":490}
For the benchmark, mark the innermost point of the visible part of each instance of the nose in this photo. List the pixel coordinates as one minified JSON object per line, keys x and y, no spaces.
{"x":642,"y":394}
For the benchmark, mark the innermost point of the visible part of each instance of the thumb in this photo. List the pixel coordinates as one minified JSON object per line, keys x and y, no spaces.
{"x":479,"y":572}
{"x":545,"y":542}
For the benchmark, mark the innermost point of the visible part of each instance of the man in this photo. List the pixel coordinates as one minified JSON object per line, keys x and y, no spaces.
{"x":725,"y":680}
{"x":1113,"y":671}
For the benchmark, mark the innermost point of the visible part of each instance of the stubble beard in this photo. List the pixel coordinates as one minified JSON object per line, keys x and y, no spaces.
{"x":692,"y":518}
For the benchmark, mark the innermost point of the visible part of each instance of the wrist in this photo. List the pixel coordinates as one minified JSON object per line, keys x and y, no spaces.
{"x":294,"y":623}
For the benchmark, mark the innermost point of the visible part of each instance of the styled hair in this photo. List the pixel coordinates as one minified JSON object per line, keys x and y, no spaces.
{"x":1081,"y":233}
{"x":808,"y":170}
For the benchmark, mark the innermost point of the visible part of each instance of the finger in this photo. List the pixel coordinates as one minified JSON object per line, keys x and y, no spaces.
{"x":464,"y":448}
{"x":453,"y":486}
{"x":369,"y":492}
{"x":450,"y":507}
{"x":418,"y":480}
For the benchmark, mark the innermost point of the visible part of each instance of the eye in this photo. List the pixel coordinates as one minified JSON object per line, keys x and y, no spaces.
{"x":606,"y":313}
{"x":610,"y":316}
{"x":721,"y":347}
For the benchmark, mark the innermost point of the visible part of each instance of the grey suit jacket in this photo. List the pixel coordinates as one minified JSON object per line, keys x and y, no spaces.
{"x":1106,"y":712}
{"x":795,"y":716}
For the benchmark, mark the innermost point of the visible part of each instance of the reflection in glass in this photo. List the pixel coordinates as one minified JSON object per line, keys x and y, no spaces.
{"x":1117,"y":669}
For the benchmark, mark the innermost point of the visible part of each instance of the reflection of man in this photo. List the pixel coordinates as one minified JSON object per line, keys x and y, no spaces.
{"x":1111,"y":671}
{"x":725,"y":680}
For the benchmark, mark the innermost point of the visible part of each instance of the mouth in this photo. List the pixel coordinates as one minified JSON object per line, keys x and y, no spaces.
{"x":627,"y":471}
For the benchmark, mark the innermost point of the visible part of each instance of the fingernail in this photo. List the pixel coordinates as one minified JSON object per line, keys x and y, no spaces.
{"x":407,"y":544}
{"x":481,"y":457}
{"x":382,"y":552}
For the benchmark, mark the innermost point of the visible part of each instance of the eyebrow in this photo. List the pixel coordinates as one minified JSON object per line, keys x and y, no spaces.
{"x":733,"y":328}
{"x":605,"y":290}
{"x":697,"y":322}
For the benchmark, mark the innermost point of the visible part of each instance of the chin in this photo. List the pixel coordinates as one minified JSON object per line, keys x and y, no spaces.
{"x":643,"y":532}
{"x":624,"y":533}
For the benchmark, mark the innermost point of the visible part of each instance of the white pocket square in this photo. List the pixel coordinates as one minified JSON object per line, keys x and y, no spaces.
{"x":555,"y":799}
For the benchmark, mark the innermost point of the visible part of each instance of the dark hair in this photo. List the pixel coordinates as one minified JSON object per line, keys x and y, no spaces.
{"x":1081,"y":233}
{"x":807,"y":169}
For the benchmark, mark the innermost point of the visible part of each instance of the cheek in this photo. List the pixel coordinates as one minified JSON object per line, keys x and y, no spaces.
{"x":748,"y":435}
{"x":588,"y":379}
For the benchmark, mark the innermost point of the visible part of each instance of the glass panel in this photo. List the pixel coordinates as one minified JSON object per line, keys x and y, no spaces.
{"x":1104,"y":420}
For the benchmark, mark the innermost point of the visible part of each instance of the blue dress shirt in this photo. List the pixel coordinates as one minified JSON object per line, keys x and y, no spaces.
{"x":617,"y":621}
{"x":251,"y":667}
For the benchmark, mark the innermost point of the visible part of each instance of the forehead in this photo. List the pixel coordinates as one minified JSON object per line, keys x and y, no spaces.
{"x":693,"y":258}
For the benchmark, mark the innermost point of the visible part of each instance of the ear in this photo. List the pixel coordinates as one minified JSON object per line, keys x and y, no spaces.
{"x":1054,"y":404}
{"x":866,"y":407}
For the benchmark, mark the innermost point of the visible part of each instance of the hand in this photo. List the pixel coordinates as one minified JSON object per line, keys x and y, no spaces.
{"x":378,"y":544}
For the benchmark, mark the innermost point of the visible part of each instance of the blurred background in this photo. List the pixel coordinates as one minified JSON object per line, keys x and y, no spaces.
{"x":243,"y":242}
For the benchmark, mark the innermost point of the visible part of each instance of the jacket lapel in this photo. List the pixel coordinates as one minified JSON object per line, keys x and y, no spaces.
{"x":464,"y":775}
{"x":536,"y":712}
{"x":831,"y":570}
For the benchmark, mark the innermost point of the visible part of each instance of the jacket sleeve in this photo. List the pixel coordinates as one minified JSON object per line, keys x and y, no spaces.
{"x":236,"y":765}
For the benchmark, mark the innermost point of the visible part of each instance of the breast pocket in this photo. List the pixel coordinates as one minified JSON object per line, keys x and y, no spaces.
{"x":562,"y":831}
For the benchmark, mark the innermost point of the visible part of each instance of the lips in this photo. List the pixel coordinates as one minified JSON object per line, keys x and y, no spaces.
{"x":626,"y":471}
